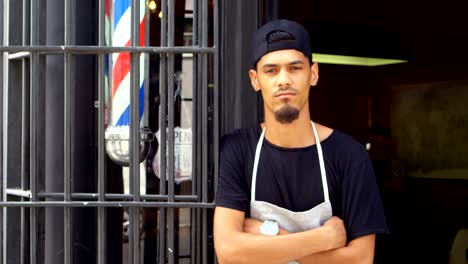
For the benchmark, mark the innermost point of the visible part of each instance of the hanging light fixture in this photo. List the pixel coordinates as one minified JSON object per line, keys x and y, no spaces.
{"x":353,"y":60}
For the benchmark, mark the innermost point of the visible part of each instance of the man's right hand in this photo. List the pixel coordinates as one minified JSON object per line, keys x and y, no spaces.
{"x":336,"y":232}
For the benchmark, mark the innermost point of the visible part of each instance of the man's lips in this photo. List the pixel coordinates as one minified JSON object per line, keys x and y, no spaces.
{"x":285,"y":95}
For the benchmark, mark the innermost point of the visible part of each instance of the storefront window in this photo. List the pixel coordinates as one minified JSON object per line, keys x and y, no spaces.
{"x":109,"y":131}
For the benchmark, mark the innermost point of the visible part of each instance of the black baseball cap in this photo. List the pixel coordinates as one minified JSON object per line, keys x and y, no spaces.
{"x":289,"y":35}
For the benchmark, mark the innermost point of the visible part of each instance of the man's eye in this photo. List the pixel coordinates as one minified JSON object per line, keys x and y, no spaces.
{"x":269,"y":70}
{"x":294,"y":68}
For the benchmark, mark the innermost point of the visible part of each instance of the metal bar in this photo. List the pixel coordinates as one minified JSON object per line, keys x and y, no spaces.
{"x":204,"y":122}
{"x":162,"y":234}
{"x":3,"y":183}
{"x":194,"y":97}
{"x":193,"y":240}
{"x":204,"y":24}
{"x":113,"y":196}
{"x":199,"y":105}
{"x":67,"y":214}
{"x":171,"y":232}
{"x":194,"y":212}
{"x":102,"y":216}
{"x":101,"y":104}
{"x":23,"y":236}
{"x":134,"y":252}
{"x":89,"y":204}
{"x":205,"y":102}
{"x":170,"y":95}
{"x":216,"y":96}
{"x":195,"y":24}
{"x":68,"y":102}
{"x":33,"y":153}
{"x":146,"y":70}
{"x":93,"y":50}
{"x":199,"y":231}
{"x":26,"y":23}
{"x":163,"y":100}
{"x":19,"y":55}
{"x":134,"y":104}
{"x":68,"y":127}
{"x":131,"y":236}
{"x":162,"y":130}
{"x":165,"y":197}
{"x":33,"y":117}
{"x":199,"y":142}
{"x":24,"y":128}
{"x":170,"y":123}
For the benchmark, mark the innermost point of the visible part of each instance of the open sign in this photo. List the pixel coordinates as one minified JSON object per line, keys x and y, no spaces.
{"x":182,"y":155}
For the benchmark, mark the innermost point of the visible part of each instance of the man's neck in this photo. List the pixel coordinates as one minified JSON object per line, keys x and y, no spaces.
{"x":296,"y":134}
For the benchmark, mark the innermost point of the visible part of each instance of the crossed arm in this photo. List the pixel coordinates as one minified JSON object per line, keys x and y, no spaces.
{"x":237,"y":241}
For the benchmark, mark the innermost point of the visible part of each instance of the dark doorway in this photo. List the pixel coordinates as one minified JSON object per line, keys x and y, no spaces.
{"x":412,"y":115}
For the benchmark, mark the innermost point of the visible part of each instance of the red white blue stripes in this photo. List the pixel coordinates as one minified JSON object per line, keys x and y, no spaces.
{"x":121,"y":36}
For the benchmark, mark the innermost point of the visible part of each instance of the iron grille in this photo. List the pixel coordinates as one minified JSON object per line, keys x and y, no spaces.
{"x":25,"y":200}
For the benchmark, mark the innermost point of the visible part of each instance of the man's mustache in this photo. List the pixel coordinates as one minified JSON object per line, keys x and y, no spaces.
{"x":287,"y":90}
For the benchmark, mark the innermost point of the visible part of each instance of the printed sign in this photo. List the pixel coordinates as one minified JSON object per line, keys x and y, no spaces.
{"x":182,"y":155}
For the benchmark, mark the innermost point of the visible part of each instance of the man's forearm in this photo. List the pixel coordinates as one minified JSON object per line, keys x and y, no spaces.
{"x":359,"y":251}
{"x":241,"y":247}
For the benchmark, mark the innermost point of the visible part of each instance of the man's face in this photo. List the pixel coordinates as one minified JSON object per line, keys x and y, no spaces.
{"x":284,"y":77}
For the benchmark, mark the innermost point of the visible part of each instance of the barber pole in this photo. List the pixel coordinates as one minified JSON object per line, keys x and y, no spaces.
{"x":118,"y":19}
{"x":121,"y":37}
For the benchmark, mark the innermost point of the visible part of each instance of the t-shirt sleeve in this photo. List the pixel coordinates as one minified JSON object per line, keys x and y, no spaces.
{"x":363,"y":212}
{"x":232,"y":187}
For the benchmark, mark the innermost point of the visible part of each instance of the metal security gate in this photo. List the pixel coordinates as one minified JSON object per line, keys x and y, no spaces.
{"x":63,"y":199}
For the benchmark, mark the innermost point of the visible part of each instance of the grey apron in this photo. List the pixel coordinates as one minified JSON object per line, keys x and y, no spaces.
{"x":289,"y":220}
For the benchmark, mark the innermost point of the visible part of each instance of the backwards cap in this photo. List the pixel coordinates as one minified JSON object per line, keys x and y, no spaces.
{"x":279,"y":35}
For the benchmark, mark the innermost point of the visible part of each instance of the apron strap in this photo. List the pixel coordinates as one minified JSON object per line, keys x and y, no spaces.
{"x":257,"y":157}
{"x":322,"y":164}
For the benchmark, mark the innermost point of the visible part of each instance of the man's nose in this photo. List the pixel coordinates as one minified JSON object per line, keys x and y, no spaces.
{"x":284,"y":79}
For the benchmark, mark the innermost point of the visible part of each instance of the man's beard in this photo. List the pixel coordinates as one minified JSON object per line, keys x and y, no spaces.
{"x":287,"y":114}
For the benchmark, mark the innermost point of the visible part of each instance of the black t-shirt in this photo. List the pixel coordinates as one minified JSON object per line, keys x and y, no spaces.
{"x":290,"y":178}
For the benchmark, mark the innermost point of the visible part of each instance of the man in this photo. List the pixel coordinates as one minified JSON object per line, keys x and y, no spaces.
{"x":291,"y":190}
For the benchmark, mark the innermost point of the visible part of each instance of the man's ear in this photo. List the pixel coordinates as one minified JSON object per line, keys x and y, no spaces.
{"x":315,"y":74}
{"x":254,"y":80}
